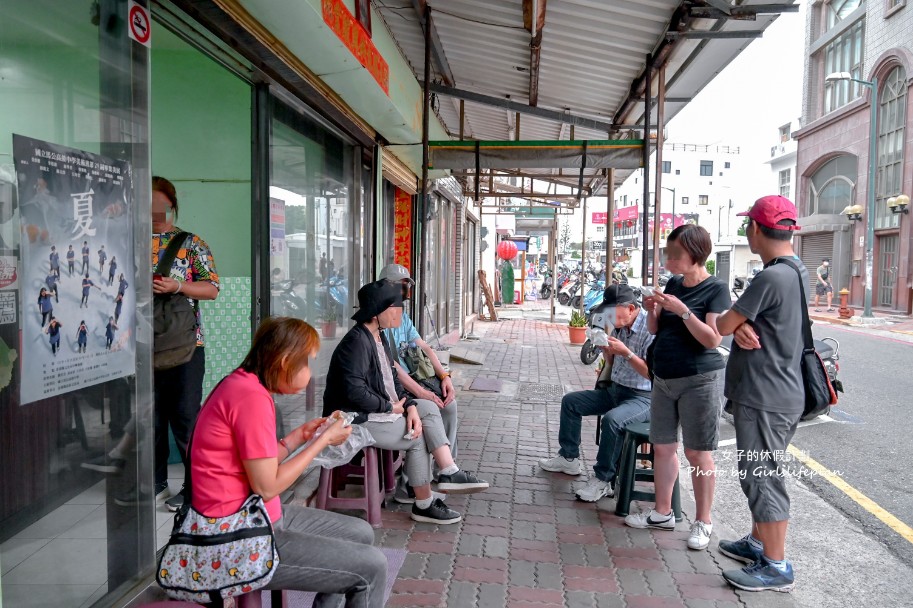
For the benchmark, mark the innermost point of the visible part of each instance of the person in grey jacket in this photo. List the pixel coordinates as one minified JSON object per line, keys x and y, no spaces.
{"x":362,"y":379}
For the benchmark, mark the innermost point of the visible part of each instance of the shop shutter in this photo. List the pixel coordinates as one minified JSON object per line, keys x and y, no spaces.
{"x":812,"y":249}
{"x":396,"y":172}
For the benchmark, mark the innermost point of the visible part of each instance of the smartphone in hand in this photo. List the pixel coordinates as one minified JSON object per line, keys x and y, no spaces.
{"x":648,"y":291}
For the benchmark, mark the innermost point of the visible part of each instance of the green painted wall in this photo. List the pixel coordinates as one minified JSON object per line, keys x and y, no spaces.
{"x":201,"y":141}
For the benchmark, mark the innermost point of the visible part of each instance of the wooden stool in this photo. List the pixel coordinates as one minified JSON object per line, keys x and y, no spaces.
{"x":635,"y":435}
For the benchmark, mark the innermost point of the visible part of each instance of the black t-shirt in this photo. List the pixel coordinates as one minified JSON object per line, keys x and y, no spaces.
{"x":678,"y":353}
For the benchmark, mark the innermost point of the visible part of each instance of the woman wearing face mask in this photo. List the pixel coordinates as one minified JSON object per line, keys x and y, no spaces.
{"x":179,"y":390}
{"x":687,"y":381}
{"x":362,"y":379}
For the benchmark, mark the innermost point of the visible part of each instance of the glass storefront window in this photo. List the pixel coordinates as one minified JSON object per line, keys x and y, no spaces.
{"x":315,"y":245}
{"x":76,"y":86}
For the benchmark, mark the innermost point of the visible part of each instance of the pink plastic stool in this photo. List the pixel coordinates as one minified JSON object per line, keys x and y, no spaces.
{"x":279,"y":599}
{"x":377,"y":474}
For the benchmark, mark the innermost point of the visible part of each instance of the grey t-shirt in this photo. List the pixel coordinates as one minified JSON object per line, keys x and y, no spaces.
{"x":770,"y":378}
{"x":387,"y":372}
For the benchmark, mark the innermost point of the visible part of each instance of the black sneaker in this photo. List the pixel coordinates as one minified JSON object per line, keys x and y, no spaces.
{"x":461,"y":482}
{"x":175,"y":502}
{"x":437,"y":513}
{"x":105,"y":464}
{"x":405,"y":495}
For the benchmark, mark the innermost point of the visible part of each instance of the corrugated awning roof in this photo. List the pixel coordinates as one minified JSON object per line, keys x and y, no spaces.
{"x":593,"y":55}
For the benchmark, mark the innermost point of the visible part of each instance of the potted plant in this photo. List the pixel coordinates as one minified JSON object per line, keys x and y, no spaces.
{"x":328,"y":325}
{"x":577,"y":327}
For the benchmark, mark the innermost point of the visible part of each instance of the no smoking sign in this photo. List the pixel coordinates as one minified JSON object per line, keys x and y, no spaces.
{"x":139,"y":25}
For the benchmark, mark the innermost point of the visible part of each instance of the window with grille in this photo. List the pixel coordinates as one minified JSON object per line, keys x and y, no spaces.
{"x":844,"y":54}
{"x":703,"y":199}
{"x":891,"y":119}
{"x":684,"y":200}
{"x":667,"y":166}
{"x":785,"y":176}
{"x":706,"y":168}
{"x":831,"y":188}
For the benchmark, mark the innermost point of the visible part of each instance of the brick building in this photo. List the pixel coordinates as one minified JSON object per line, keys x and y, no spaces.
{"x":869,"y":40}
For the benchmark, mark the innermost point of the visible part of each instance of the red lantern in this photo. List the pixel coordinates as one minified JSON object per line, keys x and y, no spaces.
{"x":507,"y":250}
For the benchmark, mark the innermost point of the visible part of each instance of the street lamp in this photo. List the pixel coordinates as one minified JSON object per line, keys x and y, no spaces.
{"x":870,"y":199}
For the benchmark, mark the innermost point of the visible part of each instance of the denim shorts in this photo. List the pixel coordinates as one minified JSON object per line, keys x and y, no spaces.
{"x":694,"y":403}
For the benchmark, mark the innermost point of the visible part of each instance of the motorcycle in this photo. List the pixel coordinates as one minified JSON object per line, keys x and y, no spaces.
{"x":284,"y":301}
{"x":589,"y":352}
{"x":338,"y":296}
{"x":545,"y":290}
{"x":568,"y":291}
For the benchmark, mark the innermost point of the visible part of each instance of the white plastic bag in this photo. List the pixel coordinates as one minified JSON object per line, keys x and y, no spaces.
{"x":333,"y":456}
{"x":597,"y":336}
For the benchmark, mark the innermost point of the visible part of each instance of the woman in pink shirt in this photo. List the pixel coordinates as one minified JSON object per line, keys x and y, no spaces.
{"x":235,"y":452}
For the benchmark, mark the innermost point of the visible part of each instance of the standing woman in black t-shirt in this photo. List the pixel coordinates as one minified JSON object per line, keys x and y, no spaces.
{"x":687,"y":383}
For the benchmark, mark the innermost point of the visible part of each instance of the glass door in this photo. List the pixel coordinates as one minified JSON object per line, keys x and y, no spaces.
{"x":887,"y":266}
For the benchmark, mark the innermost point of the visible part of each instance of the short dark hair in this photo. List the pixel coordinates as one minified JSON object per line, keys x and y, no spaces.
{"x":775,"y":234}
{"x":278,"y":338}
{"x":695,"y":240}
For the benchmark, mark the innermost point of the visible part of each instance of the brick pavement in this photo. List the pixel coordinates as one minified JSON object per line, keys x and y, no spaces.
{"x":527,"y":542}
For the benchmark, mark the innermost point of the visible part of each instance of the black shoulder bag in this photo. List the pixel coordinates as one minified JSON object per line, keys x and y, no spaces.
{"x":819,"y":391}
{"x":174,"y":317}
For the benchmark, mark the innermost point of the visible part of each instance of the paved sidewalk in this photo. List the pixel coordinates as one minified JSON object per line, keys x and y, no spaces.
{"x":527,"y":542}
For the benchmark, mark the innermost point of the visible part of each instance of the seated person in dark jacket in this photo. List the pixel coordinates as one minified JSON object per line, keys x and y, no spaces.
{"x":361,"y":379}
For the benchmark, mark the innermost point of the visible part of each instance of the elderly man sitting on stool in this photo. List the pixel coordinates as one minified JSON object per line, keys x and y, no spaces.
{"x":622,"y":396}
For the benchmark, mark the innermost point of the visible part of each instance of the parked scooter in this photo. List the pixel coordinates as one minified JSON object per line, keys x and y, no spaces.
{"x":545,"y":290}
{"x":338,"y":293}
{"x":284,"y":301}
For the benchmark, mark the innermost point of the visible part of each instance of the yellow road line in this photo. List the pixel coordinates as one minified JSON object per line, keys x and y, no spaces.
{"x":858,"y":497}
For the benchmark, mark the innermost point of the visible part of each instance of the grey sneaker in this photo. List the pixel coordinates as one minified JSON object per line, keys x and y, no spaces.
{"x":651,"y":519}
{"x":740,"y":550}
{"x":762,"y":576}
{"x":595,"y":490}
{"x":105,"y":464}
{"x":461,"y":482}
{"x":437,"y":513}
{"x":135,"y":497}
{"x":699,"y":538}
{"x":175,"y":502}
{"x":560,"y":464}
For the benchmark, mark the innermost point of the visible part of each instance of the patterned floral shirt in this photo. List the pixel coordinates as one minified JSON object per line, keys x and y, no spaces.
{"x":193,"y":263}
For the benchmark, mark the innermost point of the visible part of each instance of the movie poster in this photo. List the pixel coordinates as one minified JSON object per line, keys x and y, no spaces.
{"x":78,"y":308}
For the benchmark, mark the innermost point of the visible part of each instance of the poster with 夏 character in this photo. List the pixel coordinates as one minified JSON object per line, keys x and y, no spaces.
{"x":77,"y":304}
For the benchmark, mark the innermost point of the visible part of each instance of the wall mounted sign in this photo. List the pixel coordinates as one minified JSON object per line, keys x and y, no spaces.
{"x":357,"y":39}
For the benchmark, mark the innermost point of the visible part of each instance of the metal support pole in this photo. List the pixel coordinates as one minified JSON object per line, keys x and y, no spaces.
{"x":423,"y":200}
{"x":610,"y":225}
{"x":870,"y":203}
{"x":648,"y":92}
{"x":657,"y":194}
{"x":583,"y":260}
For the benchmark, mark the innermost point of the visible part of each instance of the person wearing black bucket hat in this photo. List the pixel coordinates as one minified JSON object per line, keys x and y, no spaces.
{"x":622,"y":395}
{"x":362,"y":379}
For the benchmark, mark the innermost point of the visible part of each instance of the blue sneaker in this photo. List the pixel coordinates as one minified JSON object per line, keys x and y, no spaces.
{"x":740,"y":550}
{"x":761,"y":576}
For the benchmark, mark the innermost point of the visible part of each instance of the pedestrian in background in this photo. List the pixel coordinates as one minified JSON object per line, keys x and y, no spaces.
{"x":823,"y":285}
{"x":764,"y":384}
{"x":179,"y":390}
{"x":687,"y":380}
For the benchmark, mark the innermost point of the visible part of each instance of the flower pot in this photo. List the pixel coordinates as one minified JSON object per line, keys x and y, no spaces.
{"x":328,"y":329}
{"x":577,"y":334}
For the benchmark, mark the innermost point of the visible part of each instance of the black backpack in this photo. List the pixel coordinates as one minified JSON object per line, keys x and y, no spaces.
{"x":174,"y":318}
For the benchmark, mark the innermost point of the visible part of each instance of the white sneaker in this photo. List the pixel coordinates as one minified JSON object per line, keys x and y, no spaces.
{"x":560,"y":464}
{"x":651,"y":519}
{"x":700,"y":535}
{"x":595,"y":490}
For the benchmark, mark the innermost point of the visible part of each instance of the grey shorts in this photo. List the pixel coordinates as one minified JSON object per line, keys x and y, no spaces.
{"x":821,"y":289}
{"x":761,"y":441}
{"x":694,"y":403}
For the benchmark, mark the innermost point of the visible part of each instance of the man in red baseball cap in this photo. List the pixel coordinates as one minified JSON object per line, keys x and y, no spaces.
{"x":765,"y":389}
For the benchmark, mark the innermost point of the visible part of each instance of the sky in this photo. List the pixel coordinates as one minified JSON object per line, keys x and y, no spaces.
{"x":745,"y":105}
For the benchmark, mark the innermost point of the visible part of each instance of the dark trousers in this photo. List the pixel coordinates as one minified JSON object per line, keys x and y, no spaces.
{"x":178,"y":397}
